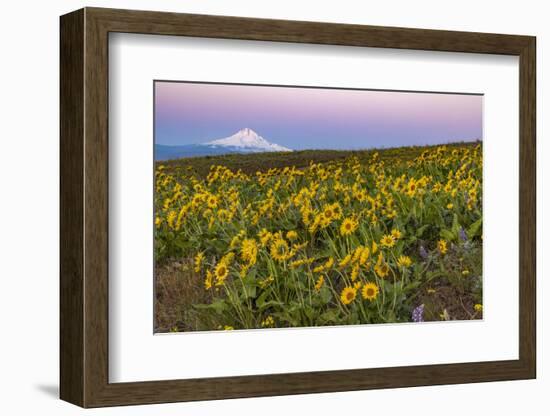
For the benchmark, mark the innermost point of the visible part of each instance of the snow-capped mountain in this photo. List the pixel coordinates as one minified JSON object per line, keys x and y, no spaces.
{"x":250,"y":141}
{"x":244,"y":141}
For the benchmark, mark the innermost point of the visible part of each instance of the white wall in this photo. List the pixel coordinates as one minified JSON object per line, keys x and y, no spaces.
{"x":29,"y":205}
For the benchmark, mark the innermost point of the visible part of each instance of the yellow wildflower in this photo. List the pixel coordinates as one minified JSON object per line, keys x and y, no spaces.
{"x":208,"y":281}
{"x":198,"y":261}
{"x":319,"y":283}
{"x":387,"y":241}
{"x":298,"y":247}
{"x":442,"y":246}
{"x":370,"y":291}
{"x":325,"y":266}
{"x":212,"y":201}
{"x":349,"y":225}
{"x":265,"y":237}
{"x":265,"y":282}
{"x":348,"y":295}
{"x":382,"y":269}
{"x":228,"y":258}
{"x":404,"y":261}
{"x":220,"y":272}
{"x":396,"y":234}
{"x":292,"y":235}
{"x":171,"y":218}
{"x":365,"y":253}
{"x":280,"y":250}
{"x":249,"y":251}
{"x":357,"y":254}
{"x":268,"y":322}
{"x":345,"y":261}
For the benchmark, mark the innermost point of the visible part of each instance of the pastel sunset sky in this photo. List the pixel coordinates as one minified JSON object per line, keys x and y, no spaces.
{"x":313,"y":118}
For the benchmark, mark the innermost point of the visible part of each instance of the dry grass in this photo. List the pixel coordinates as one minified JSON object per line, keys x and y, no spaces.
{"x":177,"y":288}
{"x":457,"y":304}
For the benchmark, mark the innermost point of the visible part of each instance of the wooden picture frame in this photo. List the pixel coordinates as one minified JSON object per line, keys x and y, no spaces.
{"x":84,"y":207}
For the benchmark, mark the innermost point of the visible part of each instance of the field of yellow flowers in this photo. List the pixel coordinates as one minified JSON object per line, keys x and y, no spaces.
{"x":355,"y":240}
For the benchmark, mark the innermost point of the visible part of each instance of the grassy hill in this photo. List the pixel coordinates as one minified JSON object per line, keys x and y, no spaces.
{"x":251,"y":163}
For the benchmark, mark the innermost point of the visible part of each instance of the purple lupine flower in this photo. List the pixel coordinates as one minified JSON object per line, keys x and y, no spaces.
{"x":423,"y":253}
{"x":462,"y":235}
{"x":418,"y":313}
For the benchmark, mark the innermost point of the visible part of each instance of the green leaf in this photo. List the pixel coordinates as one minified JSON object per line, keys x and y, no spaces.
{"x":269,"y":304}
{"x":261,"y":301}
{"x":475,"y":228}
{"x":325,"y":295}
{"x":433,"y":275}
{"x":456,"y":226}
{"x":250,"y":278}
{"x":219,"y":245}
{"x":183,"y":244}
{"x":412,"y":285}
{"x":421,"y":230}
{"x":249,"y":291}
{"x":286,"y":317}
{"x":309,"y":312}
{"x":218,"y":306}
{"x":296,"y":285}
{"x":329,"y":316}
{"x":447,"y":235}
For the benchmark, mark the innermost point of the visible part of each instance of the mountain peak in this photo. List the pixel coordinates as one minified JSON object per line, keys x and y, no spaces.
{"x":248,"y":140}
{"x":247,"y":131}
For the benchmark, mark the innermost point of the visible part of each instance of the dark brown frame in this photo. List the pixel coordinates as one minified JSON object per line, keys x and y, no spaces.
{"x":84,"y":208}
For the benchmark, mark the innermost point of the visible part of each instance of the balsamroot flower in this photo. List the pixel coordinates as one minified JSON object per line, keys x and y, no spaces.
{"x":249,"y":251}
{"x":349,"y":225}
{"x":319,"y":283}
{"x":198,"y":262}
{"x":387,"y":241}
{"x":370,"y":291}
{"x":442,"y":246}
{"x":404,"y":261}
{"x":220,"y":272}
{"x":280,"y":250}
{"x":348,"y":295}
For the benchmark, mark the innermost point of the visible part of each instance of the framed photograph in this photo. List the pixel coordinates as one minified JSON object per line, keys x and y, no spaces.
{"x":255,"y":207}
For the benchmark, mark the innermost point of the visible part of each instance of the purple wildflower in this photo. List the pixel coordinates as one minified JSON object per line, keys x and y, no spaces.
{"x":462,"y":234}
{"x":423,"y":253}
{"x":418,"y":313}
